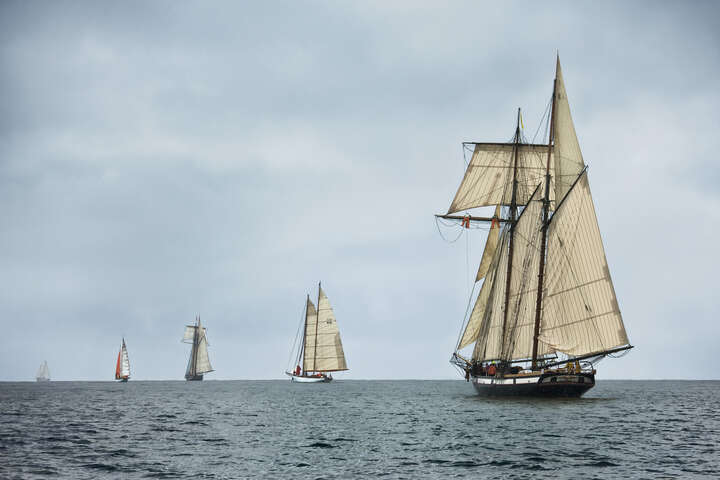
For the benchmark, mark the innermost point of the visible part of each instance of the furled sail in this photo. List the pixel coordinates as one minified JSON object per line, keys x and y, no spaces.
{"x":323,"y":347}
{"x":490,"y":246}
{"x":489,"y":176}
{"x":580,"y":311}
{"x":568,"y":158}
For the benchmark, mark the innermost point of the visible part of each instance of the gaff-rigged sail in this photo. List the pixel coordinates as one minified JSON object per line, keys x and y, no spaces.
{"x":581,"y":313}
{"x":323,"y":350}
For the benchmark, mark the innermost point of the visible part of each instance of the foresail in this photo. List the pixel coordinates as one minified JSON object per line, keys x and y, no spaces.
{"x":568,"y":157}
{"x":580,"y":311}
{"x":125,"y":364}
{"x":472,"y":328}
{"x":489,"y":176}
{"x":329,"y":355}
{"x":490,"y":247}
{"x":509,"y":337}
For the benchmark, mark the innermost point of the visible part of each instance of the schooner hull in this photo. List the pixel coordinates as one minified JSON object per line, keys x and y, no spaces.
{"x":545,"y":385}
{"x":37,"y":379}
{"x":194,"y":378}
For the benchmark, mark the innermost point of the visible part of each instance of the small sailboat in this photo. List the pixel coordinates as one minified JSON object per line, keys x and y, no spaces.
{"x":546,"y":312}
{"x":122,"y":368}
{"x":199,"y":361}
{"x":320,"y":350}
{"x":43,"y":373}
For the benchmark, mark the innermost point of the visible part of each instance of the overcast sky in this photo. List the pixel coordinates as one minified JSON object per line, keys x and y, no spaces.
{"x":160,"y":160}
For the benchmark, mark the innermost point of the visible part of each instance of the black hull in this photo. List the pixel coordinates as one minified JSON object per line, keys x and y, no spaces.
{"x":546,"y":385}
{"x":194,"y":378}
{"x":122,"y":380}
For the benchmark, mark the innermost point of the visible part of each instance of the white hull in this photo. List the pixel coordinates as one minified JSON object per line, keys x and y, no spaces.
{"x":304,"y":379}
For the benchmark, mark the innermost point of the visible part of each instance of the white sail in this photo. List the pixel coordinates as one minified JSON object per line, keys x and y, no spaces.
{"x":568,"y":157}
{"x":199,"y":351}
{"x":490,"y":246}
{"x":580,"y":311}
{"x":125,"y":362}
{"x":472,"y":329}
{"x":329,"y":355}
{"x":203,"y":360}
{"x":43,"y":372}
{"x":489,"y":176}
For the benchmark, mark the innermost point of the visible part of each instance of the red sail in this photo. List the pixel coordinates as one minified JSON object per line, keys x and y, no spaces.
{"x":117,"y":368}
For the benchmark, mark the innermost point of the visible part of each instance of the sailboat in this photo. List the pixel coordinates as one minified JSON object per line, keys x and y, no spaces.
{"x":43,"y":373}
{"x":199,"y":361}
{"x":546,"y":311}
{"x":320,"y":349}
{"x":122,"y":368}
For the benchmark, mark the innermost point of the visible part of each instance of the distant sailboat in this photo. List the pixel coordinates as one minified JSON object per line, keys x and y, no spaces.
{"x":199,"y":362}
{"x":320,"y":350}
{"x":122,"y":368}
{"x":43,"y":373}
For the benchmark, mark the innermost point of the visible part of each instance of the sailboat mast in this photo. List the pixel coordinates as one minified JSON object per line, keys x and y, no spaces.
{"x":194,"y":353}
{"x":513,"y":214}
{"x":317,"y":321}
{"x":543,"y":242}
{"x":304,"y":337}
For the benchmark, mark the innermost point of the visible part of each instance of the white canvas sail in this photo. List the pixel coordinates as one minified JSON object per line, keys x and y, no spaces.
{"x":199,"y":361}
{"x":568,"y":157}
{"x":203,"y":360}
{"x":124,"y":362}
{"x":43,"y":372}
{"x":489,"y":176}
{"x":490,"y":246}
{"x":580,"y":311}
{"x":323,"y":347}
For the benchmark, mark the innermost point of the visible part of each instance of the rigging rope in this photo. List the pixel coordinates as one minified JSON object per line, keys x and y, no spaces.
{"x":295,"y":341}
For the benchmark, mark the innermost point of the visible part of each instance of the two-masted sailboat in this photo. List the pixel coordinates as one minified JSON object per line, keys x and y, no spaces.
{"x":546,"y":310}
{"x":43,"y":373}
{"x":199,"y":361}
{"x":320,"y":349}
{"x":122,"y":367}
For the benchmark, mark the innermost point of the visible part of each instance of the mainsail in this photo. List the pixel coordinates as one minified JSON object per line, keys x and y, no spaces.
{"x":43,"y":372}
{"x":122,"y":368}
{"x":546,"y":284}
{"x":199,"y":361}
{"x":322,"y":347}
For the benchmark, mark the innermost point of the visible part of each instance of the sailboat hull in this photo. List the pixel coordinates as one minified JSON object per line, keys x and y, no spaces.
{"x":39,"y":379}
{"x":308,"y":379}
{"x":544,"y":385}
{"x":194,"y":378}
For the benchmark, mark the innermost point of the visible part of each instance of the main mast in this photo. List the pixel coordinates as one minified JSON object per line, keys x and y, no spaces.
{"x":304,"y":337}
{"x":543,"y":242}
{"x":513,"y":214}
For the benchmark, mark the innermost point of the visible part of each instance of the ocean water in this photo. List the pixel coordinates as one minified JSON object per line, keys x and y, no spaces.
{"x":354,"y":429}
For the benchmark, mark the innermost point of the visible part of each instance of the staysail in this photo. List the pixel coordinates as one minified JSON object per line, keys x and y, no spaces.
{"x":323,"y":350}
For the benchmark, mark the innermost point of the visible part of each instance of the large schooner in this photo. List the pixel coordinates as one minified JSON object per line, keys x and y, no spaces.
{"x":199,"y":361}
{"x":43,"y":373}
{"x":122,"y":367}
{"x":546,"y":311}
{"x":320,"y":349}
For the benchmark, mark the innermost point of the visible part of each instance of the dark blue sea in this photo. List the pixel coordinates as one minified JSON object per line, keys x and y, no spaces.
{"x":355,"y":429}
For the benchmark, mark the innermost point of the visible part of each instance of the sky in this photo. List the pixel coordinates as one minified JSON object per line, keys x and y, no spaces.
{"x":162,"y":160}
